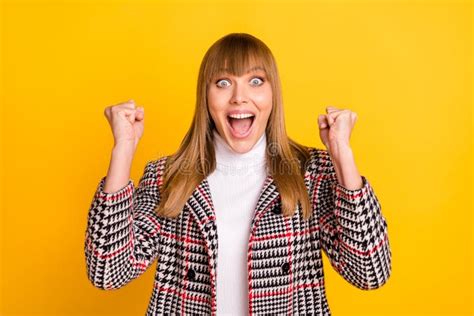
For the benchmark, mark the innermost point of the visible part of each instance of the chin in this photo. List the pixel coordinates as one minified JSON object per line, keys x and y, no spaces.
{"x":242,"y":149}
{"x":241,"y":146}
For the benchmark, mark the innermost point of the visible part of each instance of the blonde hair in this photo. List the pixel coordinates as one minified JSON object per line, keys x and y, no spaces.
{"x":195,"y":158}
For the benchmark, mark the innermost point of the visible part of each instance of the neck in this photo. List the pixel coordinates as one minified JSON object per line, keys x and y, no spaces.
{"x":227,"y":158}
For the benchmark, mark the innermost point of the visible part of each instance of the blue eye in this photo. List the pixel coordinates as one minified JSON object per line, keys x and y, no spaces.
{"x":259,"y":78}
{"x":221,"y":86}
{"x":217,"y":82}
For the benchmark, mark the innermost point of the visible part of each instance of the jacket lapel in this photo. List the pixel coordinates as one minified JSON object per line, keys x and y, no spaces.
{"x":201,"y":208}
{"x":268,"y":194}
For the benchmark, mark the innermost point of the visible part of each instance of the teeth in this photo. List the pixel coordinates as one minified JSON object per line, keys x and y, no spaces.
{"x":240,"y":116}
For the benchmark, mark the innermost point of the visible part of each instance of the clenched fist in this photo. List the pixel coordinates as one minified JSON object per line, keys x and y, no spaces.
{"x":335,"y":127}
{"x":126,"y":121}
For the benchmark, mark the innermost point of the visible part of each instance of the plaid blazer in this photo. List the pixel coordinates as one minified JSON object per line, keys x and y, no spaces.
{"x":124,"y":236}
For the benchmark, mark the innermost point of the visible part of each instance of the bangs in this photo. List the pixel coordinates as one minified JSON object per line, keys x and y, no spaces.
{"x":237,"y":58}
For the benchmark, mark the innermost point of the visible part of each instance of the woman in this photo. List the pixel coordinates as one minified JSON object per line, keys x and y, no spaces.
{"x":237,"y":178}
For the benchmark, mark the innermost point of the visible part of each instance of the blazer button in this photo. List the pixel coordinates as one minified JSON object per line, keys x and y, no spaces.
{"x":191,"y":274}
{"x":276,"y":210}
{"x":285,"y":267}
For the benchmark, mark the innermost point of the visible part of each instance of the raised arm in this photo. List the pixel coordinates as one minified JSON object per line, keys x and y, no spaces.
{"x":122,"y":234}
{"x":353,"y":231}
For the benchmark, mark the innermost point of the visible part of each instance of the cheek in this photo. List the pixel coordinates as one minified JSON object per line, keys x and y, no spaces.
{"x":265,"y":114}
{"x":216,"y":117}
{"x":216,"y":101}
{"x":216,"y":113}
{"x":213,"y":104}
{"x":265,"y":106}
{"x":264,"y":99}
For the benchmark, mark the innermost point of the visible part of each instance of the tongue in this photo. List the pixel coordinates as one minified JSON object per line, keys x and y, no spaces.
{"x":241,"y":126}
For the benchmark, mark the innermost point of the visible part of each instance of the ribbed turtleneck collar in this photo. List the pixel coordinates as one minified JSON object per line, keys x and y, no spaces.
{"x":228,"y":159}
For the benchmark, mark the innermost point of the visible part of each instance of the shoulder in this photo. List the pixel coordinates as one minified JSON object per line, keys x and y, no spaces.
{"x":158,"y":164}
{"x":320,"y":161}
{"x":152,"y":177}
{"x":154,"y":168}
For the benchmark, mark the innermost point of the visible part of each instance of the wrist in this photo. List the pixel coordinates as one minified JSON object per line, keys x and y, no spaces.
{"x":124,"y":149}
{"x":341,"y":151}
{"x":125,"y":144}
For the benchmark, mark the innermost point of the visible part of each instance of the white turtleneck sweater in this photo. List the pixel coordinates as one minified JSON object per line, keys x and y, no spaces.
{"x":235,"y":186}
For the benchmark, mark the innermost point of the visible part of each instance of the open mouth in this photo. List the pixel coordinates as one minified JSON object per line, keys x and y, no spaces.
{"x":241,"y":124}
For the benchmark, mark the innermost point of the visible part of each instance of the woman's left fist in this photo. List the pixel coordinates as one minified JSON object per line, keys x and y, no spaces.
{"x":336,"y":126}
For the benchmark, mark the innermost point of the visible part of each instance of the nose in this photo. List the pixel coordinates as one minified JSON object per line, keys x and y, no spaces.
{"x":239,"y":95}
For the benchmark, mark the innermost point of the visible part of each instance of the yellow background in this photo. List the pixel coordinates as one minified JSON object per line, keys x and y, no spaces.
{"x":404,"y":67}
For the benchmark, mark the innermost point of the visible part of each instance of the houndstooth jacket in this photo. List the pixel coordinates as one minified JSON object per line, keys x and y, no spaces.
{"x":124,"y":236}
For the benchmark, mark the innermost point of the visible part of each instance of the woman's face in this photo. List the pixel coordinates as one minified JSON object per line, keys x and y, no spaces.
{"x":248,"y":99}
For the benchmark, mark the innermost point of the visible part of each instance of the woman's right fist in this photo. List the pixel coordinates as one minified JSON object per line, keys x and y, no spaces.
{"x":126,"y":121}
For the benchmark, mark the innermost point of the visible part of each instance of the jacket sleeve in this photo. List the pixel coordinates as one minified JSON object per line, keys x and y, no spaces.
{"x":122,"y":234}
{"x":353,"y":230}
